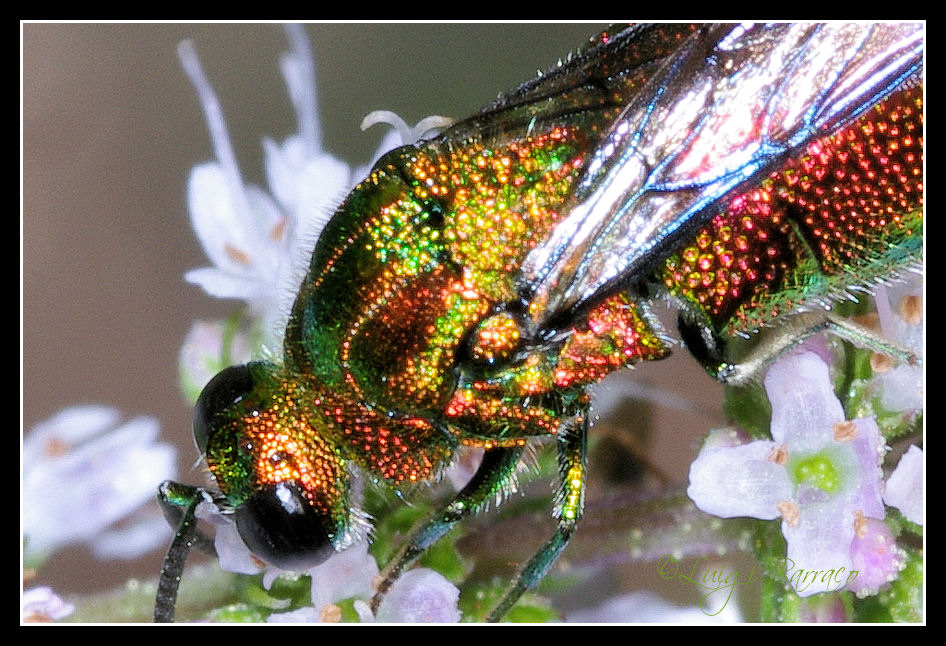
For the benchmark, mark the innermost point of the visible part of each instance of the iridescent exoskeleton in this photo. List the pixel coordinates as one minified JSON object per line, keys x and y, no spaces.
{"x":471,"y":288}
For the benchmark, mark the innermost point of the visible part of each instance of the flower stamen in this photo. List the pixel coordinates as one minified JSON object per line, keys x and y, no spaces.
{"x":779,"y":455}
{"x":860,"y":524}
{"x":911,"y":309}
{"x":789,"y":512}
{"x":881,"y":363}
{"x":238,"y":255}
{"x":845,"y":431}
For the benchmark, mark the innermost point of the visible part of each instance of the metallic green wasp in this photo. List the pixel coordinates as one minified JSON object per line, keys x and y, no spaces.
{"x":472,"y":287}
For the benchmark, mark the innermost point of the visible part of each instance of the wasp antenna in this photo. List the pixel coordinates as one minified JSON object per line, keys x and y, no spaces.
{"x":172,"y":496}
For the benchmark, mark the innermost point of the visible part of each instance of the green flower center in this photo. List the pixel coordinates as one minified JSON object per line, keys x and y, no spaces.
{"x":818,"y":471}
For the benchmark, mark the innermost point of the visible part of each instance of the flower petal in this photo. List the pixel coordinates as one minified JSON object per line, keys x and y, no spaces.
{"x":232,"y":553}
{"x":904,"y":489}
{"x":110,"y":475}
{"x":900,"y":310}
{"x":42,"y":604}
{"x":346,"y":574}
{"x":218,"y":222}
{"x":420,"y":595}
{"x":739,"y":481}
{"x":818,"y":555}
{"x":875,"y":556}
{"x":130,"y":540}
{"x":65,"y":430}
{"x":869,"y":450}
{"x":804,"y":406}
{"x":221,"y":284}
{"x":239,"y":239}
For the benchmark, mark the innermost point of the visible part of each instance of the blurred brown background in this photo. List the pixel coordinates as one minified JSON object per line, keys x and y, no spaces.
{"x":111,"y":129}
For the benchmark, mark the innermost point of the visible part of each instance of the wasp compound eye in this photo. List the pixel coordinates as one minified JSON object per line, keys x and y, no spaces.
{"x":227,"y":388}
{"x":279,"y":525}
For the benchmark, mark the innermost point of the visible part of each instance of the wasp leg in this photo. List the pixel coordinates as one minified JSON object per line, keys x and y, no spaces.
{"x":710,"y":347}
{"x":568,"y":509}
{"x":178,"y":502}
{"x":489,"y":482}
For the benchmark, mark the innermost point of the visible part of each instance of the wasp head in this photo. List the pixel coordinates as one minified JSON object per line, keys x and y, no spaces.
{"x":286,"y":484}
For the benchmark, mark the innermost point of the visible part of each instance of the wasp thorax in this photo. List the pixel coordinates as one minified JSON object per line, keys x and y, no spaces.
{"x":283,"y":480}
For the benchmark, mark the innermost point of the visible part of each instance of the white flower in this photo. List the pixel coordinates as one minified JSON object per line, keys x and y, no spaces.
{"x":244,"y":233}
{"x":259,"y":242}
{"x":423,"y":128}
{"x":232,"y":553}
{"x":347,"y":574}
{"x":43,"y":605}
{"x":83,"y":472}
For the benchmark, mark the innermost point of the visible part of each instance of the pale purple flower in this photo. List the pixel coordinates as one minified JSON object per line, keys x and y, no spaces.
{"x":901,"y":313}
{"x":876,"y":557}
{"x":649,"y":607}
{"x":420,"y":595}
{"x":823,"y":609}
{"x":41,"y":604}
{"x":84,"y":473}
{"x":232,"y":553}
{"x":819,"y":474}
{"x":904,"y":488}
{"x":348,"y":574}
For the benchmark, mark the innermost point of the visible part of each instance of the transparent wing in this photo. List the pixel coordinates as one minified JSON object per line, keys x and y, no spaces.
{"x":734,"y":101}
